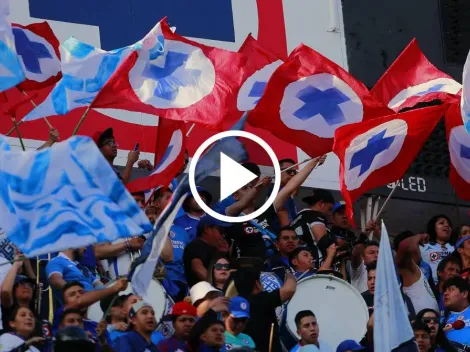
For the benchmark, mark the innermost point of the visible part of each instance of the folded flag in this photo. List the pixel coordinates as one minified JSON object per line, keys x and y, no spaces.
{"x":11,"y":72}
{"x":142,"y":269}
{"x":38,"y":50}
{"x":64,"y":197}
{"x":412,"y":79}
{"x":392,"y":328}
{"x":308,"y":98}
{"x":187,"y":81}
{"x":465,"y":99}
{"x":379,"y":151}
{"x":458,"y":141}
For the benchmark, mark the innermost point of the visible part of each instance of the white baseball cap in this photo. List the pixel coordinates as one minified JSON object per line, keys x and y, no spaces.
{"x":200,"y":291}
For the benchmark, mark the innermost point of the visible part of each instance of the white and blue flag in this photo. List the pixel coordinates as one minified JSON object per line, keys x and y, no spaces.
{"x":392,"y":328}
{"x":465,"y":99}
{"x":64,"y":197}
{"x":11,"y":72}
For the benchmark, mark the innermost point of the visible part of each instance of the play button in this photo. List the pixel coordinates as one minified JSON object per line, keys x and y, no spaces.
{"x":233,"y":176}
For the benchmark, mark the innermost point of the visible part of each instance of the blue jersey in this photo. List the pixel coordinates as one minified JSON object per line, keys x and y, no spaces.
{"x":189,"y":223}
{"x":179,"y":239}
{"x":70,"y":271}
{"x":463,"y":335}
{"x":133,"y":342}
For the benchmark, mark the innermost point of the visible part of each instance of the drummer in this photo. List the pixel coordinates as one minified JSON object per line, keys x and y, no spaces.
{"x":302,"y":262}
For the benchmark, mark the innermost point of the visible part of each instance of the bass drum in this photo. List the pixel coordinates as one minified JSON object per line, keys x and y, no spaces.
{"x":156,"y":295}
{"x":339,"y":308}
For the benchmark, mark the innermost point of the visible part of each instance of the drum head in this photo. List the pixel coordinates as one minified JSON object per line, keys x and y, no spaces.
{"x":339,"y":308}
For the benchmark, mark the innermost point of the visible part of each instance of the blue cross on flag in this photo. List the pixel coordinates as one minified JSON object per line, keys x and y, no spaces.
{"x":11,"y":72}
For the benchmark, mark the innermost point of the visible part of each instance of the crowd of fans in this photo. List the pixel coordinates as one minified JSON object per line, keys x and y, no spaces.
{"x":211,"y":272}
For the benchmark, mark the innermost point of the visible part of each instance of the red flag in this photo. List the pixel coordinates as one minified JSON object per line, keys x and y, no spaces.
{"x":38,"y":50}
{"x":411,"y":79}
{"x":459,"y":150}
{"x":308,"y":98}
{"x":376,"y":152}
{"x":176,"y":78}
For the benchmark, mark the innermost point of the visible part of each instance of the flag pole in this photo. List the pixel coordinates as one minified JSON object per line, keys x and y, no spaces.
{"x":190,"y":129}
{"x":15,"y":125}
{"x":81,"y":119}
{"x":295,"y":165}
{"x":34,"y":104}
{"x":386,"y":201}
{"x":13,"y":128}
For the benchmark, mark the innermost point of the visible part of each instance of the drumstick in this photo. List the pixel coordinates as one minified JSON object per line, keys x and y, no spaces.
{"x":271,"y":336}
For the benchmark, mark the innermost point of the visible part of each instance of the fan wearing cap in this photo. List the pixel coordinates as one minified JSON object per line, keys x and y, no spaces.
{"x":208,"y":334}
{"x":206,"y":297}
{"x":199,"y":253}
{"x":350,"y":346}
{"x":235,"y":321}
{"x":107,"y":144}
{"x":183,"y":316}
{"x":193,"y":212}
{"x":143,"y":323}
{"x":341,"y":227}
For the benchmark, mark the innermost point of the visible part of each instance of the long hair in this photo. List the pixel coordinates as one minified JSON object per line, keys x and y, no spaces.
{"x":431,"y":229}
{"x":441,"y":339}
{"x":210,"y":269}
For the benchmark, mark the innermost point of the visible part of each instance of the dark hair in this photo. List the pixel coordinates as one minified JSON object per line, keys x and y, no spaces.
{"x":71,"y":284}
{"x":371,"y":266}
{"x":295,"y":253}
{"x":252,"y":167}
{"x":401,"y":237}
{"x":457,"y":281}
{"x":441,"y":339}
{"x":431,"y":228}
{"x":14,"y":312}
{"x":286,"y":160}
{"x":371,"y":244}
{"x":457,"y":230}
{"x":70,"y":311}
{"x":449,"y":259}
{"x":302,"y":314}
{"x":284,"y":228}
{"x":210,"y":268}
{"x":245,"y":279}
{"x":419,"y":325}
{"x":421,"y":313}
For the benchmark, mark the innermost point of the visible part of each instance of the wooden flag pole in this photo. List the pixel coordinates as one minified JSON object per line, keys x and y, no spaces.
{"x":34,"y":104}
{"x":15,"y":127}
{"x":190,"y":129}
{"x":81,"y":120}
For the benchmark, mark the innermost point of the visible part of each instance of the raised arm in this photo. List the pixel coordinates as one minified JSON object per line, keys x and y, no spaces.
{"x":132,"y":158}
{"x":53,"y":137}
{"x":90,"y":297}
{"x":408,"y":249}
{"x":167,"y":251}
{"x":287,"y":290}
{"x":236,"y":208}
{"x":8,"y":283}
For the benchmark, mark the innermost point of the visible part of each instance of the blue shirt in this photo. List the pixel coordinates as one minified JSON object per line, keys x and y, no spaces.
{"x":189,"y":224}
{"x":463,"y":335}
{"x":70,"y":271}
{"x":133,"y":342}
{"x":114,"y":334}
{"x":179,"y":239}
{"x":220,"y":206}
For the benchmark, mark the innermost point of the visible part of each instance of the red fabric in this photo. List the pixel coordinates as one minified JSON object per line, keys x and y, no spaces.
{"x":420,"y":123}
{"x":304,"y":62}
{"x":411,"y":68}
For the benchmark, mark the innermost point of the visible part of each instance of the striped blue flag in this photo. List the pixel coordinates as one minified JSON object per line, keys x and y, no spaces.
{"x":64,"y":197}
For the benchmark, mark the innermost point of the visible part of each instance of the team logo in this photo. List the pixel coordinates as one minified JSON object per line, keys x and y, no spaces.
{"x":243,"y":305}
{"x":176,"y":78}
{"x":434,"y":256}
{"x":459,"y":150}
{"x":320,"y":104}
{"x":249,"y":230}
{"x":372,"y":150}
{"x":172,"y":234}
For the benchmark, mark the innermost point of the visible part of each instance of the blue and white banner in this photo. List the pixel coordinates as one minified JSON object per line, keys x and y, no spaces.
{"x":64,"y":197}
{"x":465,"y":100}
{"x":11,"y":72}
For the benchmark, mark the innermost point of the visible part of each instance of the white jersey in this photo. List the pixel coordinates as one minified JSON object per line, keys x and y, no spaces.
{"x":359,"y":278}
{"x":10,"y":341}
{"x":421,"y":294}
{"x":4,"y":269}
{"x":433,"y":254}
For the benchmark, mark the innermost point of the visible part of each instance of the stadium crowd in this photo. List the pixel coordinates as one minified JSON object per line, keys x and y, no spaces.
{"x":209,"y":292}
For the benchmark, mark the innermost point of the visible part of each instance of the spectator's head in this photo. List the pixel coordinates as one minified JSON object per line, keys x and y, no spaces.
{"x":129,"y":301}
{"x":307,"y":327}
{"x":22,"y":321}
{"x":237,"y":317}
{"x":431,"y":318}
{"x":370,"y":254}
{"x":72,"y":317}
{"x":463,"y":247}
{"x":72,"y":291}
{"x":161,"y":198}
{"x":287,"y":241}
{"x":191,"y":206}
{"x":439,"y":229}
{"x":456,"y":294}
{"x":449,"y":267}
{"x":213,"y":232}
{"x":340,"y":218}
{"x":301,"y":260}
{"x":321,"y":200}
{"x":183,"y":315}
{"x":152,"y":213}
{"x":142,"y":318}
{"x":202,"y":294}
{"x":106,"y":143}
{"x":287,"y":175}
{"x":422,"y":336}
{"x":350,"y":346}
{"x":461,"y":231}
{"x":241,"y":192}
{"x":254,"y":169}
{"x":209,"y":331}
{"x":139,"y":198}
{"x":371,"y":271}
{"x":117,"y":312}
{"x":219,"y":271}
{"x":248,"y":281}
{"x":23,"y":290}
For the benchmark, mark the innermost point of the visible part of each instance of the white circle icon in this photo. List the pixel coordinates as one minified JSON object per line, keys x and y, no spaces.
{"x":272,"y":196}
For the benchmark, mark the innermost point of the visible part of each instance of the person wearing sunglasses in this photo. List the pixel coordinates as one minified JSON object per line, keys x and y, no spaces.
{"x":438,"y":340}
{"x":219,"y":271}
{"x":235,"y":321}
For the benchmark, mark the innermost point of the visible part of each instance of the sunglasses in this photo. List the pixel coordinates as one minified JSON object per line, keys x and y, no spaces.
{"x":111,"y":143}
{"x":219,"y":266}
{"x":430,"y":320}
{"x":292,"y":172}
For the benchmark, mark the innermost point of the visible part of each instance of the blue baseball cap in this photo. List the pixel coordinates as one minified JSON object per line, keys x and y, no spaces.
{"x":210,"y":221}
{"x":338,"y":206}
{"x":239,"y":307}
{"x":350,"y":345}
{"x":461,"y":241}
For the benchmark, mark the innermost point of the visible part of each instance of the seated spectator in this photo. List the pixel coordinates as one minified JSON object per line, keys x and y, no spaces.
{"x":183,"y":316}
{"x":449,"y":267}
{"x":350,"y":346}
{"x":457,"y":316}
{"x":219,"y":272}
{"x":204,"y":296}
{"x":199,"y":253}
{"x":208,"y":334}
{"x":193,"y":212}
{"x":431,"y":318}
{"x":117,"y":319}
{"x":143,"y":324}
{"x":21,"y":338}
{"x":235,"y":321}
{"x":73,"y":339}
{"x":422,"y":336}
{"x":287,"y":241}
{"x":309,"y":332}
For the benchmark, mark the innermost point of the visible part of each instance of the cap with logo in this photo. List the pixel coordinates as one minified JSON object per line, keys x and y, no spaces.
{"x":350,"y":345}
{"x":181,"y":308}
{"x":239,"y":307}
{"x":338,"y":206}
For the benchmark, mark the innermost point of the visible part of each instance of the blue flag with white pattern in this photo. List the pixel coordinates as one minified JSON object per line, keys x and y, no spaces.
{"x":11,"y":72}
{"x":64,"y":197}
{"x":143,"y":267}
